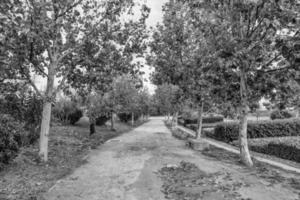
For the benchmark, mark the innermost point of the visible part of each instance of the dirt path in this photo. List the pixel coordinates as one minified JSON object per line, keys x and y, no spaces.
{"x":146,"y":164}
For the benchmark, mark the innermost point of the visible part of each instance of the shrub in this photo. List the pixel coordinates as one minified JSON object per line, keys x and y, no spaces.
{"x":280,"y":114}
{"x":282,"y":147}
{"x":26,"y":108}
{"x":229,"y":131}
{"x":100,"y":121}
{"x":67,"y":112}
{"x":10,"y":138}
{"x":126,"y":117}
{"x":205,"y":120}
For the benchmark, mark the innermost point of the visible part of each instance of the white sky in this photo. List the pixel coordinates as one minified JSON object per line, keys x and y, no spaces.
{"x":155,"y":17}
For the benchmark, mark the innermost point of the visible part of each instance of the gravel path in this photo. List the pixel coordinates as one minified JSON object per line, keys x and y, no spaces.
{"x":149,"y":164}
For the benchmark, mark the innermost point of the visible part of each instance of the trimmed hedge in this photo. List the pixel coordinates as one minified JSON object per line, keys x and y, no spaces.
{"x":10,"y":138}
{"x":229,"y":132}
{"x":280,"y":114}
{"x":205,"y":120}
{"x":282,"y":147}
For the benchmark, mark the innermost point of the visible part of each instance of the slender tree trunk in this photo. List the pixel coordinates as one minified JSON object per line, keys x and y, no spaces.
{"x":244,"y":150}
{"x":46,"y":115}
{"x":112,"y":125}
{"x":44,"y":134}
{"x":200,"y":117}
{"x":132,"y":119}
{"x":175,"y":119}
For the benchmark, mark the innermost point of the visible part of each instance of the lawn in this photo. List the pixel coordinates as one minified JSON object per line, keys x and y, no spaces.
{"x":27,"y":178}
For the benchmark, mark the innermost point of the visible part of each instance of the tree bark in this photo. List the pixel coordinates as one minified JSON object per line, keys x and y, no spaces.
{"x":244,"y":150}
{"x":132,"y":119}
{"x":200,"y":117}
{"x":112,"y":125}
{"x":44,"y":133}
{"x":175,"y":119}
{"x":46,"y":115}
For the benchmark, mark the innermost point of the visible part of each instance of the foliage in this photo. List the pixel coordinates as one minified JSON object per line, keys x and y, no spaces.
{"x":282,"y":147}
{"x":25,"y":107}
{"x":229,"y":131}
{"x":10,"y":138}
{"x":100,"y":106}
{"x":166,"y":97}
{"x":125,"y":94}
{"x":280,"y":114}
{"x":67,"y":111}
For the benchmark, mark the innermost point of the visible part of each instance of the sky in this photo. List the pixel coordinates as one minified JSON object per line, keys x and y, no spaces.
{"x":155,"y":17}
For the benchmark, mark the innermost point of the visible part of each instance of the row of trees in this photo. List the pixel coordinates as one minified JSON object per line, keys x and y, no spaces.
{"x":231,"y":52}
{"x":81,"y":44}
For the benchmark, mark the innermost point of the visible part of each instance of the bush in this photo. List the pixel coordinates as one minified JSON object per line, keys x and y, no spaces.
{"x":100,"y":121}
{"x":282,"y":147}
{"x":26,"y":108}
{"x":205,"y":120}
{"x":10,"y":138}
{"x":126,"y":117}
{"x":229,"y":132}
{"x":67,"y":112}
{"x":280,"y":114}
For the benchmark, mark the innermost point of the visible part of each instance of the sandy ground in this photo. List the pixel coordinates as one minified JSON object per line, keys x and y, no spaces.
{"x":149,"y":164}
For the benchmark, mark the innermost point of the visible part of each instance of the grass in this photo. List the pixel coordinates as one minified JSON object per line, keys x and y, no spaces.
{"x":26,"y":178}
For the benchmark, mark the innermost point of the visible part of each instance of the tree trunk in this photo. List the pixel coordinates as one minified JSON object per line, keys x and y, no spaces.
{"x":200,"y":117}
{"x":244,"y":150}
{"x":112,"y":126}
{"x":175,"y":119}
{"x":46,"y":115}
{"x":132,"y":119}
{"x":44,"y":134}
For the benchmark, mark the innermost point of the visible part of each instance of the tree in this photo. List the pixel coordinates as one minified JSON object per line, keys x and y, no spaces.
{"x":244,"y":35}
{"x":125,"y":94}
{"x":143,"y":102}
{"x":44,"y":35}
{"x":166,"y":98}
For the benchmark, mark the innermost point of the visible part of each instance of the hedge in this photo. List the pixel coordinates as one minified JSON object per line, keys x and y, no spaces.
{"x":280,"y":114}
{"x":205,"y":120}
{"x":229,"y":131}
{"x":282,"y":147}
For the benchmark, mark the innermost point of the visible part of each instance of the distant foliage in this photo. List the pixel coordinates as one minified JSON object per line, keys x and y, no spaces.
{"x":67,"y":112}
{"x":10,"y":138}
{"x":229,"y":132}
{"x":280,"y":114}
